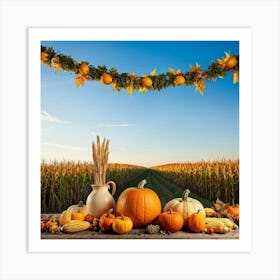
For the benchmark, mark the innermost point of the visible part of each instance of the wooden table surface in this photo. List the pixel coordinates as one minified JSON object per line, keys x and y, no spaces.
{"x":139,"y":234}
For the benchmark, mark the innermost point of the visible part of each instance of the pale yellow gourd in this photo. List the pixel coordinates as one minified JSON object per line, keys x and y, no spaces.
{"x":64,"y":217}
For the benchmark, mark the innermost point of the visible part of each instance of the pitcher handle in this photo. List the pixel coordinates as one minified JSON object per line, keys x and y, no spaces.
{"x":113,"y":186}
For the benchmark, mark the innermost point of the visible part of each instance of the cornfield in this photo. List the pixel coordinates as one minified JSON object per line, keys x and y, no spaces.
{"x":66,"y":183}
{"x":210,"y":180}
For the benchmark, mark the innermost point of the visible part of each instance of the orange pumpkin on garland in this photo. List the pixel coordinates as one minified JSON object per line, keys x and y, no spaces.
{"x":231,"y":62}
{"x":84,"y":69}
{"x":141,"y":205}
{"x":146,"y":82}
{"x":106,"y":79}
{"x":179,"y":80}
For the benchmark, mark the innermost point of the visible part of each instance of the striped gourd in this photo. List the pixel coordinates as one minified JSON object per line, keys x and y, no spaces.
{"x":75,"y":226}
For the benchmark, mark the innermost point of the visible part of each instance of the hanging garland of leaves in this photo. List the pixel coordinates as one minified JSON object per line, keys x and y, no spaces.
{"x":195,"y":76}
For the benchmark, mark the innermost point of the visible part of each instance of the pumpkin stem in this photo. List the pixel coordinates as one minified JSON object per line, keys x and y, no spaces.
{"x":141,"y":184}
{"x":109,"y":212}
{"x":81,"y":204}
{"x":185,"y":194}
{"x":198,"y":211}
{"x":122,"y":217}
{"x":170,"y":211}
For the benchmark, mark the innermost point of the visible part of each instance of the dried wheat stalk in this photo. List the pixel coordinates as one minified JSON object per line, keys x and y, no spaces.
{"x":100,"y":154}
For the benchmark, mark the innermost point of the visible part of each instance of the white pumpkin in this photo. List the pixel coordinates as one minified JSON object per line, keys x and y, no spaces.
{"x":78,"y":208}
{"x":185,"y":205}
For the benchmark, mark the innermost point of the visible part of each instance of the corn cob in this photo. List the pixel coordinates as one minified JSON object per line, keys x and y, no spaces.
{"x":219,"y":225}
{"x":229,"y":223}
{"x":75,"y":226}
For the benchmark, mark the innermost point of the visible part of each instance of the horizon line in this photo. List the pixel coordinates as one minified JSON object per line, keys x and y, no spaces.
{"x":148,"y":167}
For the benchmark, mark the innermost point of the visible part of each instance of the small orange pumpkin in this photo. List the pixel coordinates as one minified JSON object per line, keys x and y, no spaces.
{"x":106,"y":220}
{"x":196,"y":222}
{"x":143,"y":206}
{"x":233,"y":210}
{"x":171,"y":220}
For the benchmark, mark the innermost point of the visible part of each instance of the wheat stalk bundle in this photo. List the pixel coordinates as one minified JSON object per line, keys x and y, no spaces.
{"x":100,"y":154}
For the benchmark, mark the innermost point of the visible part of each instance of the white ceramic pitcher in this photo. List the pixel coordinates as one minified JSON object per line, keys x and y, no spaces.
{"x":100,"y":200}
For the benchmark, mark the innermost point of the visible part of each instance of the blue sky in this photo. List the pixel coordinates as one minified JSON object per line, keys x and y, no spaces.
{"x":152,"y":128}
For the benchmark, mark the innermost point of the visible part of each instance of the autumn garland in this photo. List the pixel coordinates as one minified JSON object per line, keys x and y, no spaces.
{"x":196,"y":76}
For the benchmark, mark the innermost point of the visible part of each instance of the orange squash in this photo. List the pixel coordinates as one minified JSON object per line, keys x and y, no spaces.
{"x":171,"y":220}
{"x":141,"y":205}
{"x":196,"y":222}
{"x":78,"y":215}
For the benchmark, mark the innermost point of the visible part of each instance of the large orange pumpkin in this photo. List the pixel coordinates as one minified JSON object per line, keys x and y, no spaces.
{"x":141,"y":205}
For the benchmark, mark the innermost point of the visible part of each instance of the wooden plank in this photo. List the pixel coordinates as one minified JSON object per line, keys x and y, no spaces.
{"x":139,"y":234}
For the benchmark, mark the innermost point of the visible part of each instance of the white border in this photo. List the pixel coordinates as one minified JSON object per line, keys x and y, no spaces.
{"x":244,"y":243}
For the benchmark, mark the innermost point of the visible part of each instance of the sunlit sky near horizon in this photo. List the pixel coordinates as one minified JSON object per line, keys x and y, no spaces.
{"x":147,"y":129}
